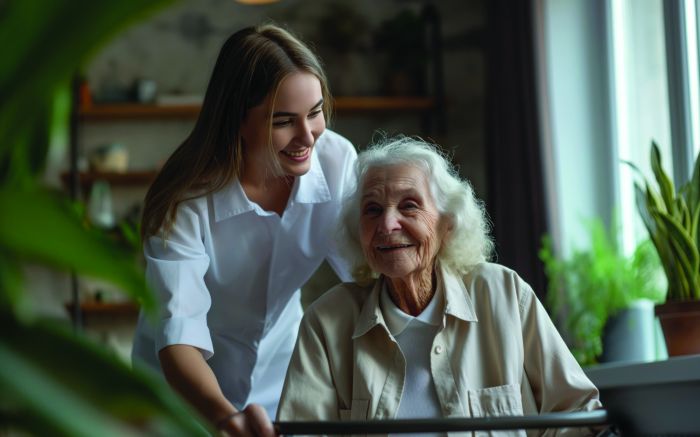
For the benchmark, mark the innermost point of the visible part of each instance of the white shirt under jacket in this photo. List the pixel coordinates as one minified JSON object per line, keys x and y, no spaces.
{"x":229,"y":275}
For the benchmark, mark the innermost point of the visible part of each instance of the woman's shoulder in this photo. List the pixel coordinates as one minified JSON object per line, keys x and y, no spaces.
{"x":332,"y":147}
{"x":194,"y":203}
{"x":495,"y":279}
{"x":336,"y":157}
{"x":344,"y":300}
{"x":490,"y":271}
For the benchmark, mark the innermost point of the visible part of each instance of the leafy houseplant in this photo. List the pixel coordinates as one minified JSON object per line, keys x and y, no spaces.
{"x":672,"y":218}
{"x":52,"y":380}
{"x":595,"y":284}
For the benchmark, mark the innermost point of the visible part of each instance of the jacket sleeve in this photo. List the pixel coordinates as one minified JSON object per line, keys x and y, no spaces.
{"x":557,"y":382}
{"x":309,"y":391}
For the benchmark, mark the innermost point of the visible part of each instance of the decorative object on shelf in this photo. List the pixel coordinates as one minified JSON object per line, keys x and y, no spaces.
{"x":593,"y":285}
{"x":145,"y":90}
{"x":112,"y":88}
{"x":100,"y":212}
{"x":109,"y":158}
{"x":672,"y":217}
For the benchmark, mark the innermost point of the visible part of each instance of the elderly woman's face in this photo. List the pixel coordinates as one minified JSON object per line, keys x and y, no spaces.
{"x":400,"y":226}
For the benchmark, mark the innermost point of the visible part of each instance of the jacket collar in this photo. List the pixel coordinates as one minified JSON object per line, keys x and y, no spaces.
{"x":457,"y":303}
{"x":311,"y":187}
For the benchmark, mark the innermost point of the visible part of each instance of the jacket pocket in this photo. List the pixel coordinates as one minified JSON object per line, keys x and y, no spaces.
{"x":503,"y":400}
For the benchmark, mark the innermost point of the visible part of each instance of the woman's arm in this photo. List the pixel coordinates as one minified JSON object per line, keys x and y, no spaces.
{"x":190,"y":375}
{"x":557,"y":381}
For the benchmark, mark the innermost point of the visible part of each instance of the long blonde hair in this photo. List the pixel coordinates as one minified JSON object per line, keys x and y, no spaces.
{"x":251,"y":65}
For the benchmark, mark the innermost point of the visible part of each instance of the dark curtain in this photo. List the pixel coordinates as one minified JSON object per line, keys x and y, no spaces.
{"x":515,"y":192}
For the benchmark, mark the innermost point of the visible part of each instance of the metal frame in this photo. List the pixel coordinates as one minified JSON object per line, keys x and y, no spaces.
{"x":678,"y":88}
{"x":402,"y":426}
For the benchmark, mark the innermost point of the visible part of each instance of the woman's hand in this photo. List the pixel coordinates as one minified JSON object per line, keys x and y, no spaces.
{"x":251,"y":421}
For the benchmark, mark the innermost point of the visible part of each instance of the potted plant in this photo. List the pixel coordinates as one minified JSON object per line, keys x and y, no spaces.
{"x":591,"y":287}
{"x":672,"y":217}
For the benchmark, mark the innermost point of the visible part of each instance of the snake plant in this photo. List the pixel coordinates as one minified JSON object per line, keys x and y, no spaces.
{"x":671,"y":216}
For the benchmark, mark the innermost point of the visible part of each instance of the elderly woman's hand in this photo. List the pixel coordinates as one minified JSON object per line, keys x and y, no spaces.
{"x":251,"y":421}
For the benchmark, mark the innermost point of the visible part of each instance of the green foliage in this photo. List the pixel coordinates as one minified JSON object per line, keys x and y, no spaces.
{"x":594,"y":284}
{"x":671,"y":217}
{"x":53,"y":381}
{"x":62,"y":384}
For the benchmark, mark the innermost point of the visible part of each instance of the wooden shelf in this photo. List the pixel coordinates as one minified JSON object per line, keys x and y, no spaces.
{"x":378,"y":104}
{"x":130,"y":178}
{"x":126,"y":111}
{"x":91,"y":308}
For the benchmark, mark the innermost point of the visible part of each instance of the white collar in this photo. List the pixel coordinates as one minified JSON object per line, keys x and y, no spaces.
{"x":309,"y":188}
{"x":397,"y":321}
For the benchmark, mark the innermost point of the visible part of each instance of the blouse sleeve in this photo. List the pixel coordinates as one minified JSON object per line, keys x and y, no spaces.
{"x":557,"y":381}
{"x":175,"y":269}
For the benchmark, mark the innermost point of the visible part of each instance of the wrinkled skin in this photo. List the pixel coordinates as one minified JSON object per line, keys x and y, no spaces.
{"x":401,"y":232}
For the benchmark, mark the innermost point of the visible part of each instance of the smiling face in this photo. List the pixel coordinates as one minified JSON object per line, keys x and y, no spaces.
{"x":400,"y":227}
{"x":297,"y":122}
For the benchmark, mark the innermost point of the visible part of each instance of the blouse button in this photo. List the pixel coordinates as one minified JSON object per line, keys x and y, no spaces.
{"x":438,"y":349}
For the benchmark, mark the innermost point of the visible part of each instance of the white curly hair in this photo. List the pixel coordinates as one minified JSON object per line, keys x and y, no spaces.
{"x":468,"y":243}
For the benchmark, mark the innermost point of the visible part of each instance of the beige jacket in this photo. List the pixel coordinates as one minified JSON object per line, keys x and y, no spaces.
{"x":497,"y":353}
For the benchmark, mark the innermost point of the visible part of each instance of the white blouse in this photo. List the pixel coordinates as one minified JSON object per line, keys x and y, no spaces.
{"x":228,"y":276}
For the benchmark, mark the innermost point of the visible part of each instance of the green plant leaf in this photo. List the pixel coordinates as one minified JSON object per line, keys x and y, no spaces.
{"x":694,"y":222}
{"x":34,"y":390}
{"x":693,"y":194}
{"x":11,"y":291}
{"x":40,"y":226}
{"x":687,"y":259}
{"x":647,"y":207}
{"x":595,"y":283}
{"x":665,"y":183}
{"x":76,"y":388}
{"x":680,"y":236}
{"x":683,"y":214}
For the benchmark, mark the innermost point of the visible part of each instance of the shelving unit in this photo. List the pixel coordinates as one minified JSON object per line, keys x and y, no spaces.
{"x":136,"y":111}
{"x":133,"y":111}
{"x":129,"y":178}
{"x":106,"y":308}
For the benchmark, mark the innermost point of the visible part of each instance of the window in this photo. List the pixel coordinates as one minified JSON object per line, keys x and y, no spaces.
{"x":616,"y":75}
{"x":639,"y":101}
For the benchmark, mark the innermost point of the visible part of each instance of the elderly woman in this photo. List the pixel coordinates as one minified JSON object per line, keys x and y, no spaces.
{"x":430,"y":329}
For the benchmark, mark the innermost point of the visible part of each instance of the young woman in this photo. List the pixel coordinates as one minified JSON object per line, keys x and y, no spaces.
{"x":238,"y":219}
